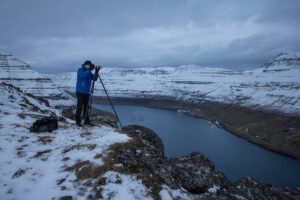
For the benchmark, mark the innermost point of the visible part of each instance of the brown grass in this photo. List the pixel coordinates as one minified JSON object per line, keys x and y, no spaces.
{"x":66,"y":159}
{"x":35,"y":116}
{"x":21,"y":115}
{"x":97,"y":156}
{"x":23,"y":138}
{"x":40,"y":153}
{"x":85,"y":133}
{"x":61,"y":181}
{"x":79,"y":146}
{"x":44,"y":139}
{"x":66,"y":198}
{"x":77,"y":165}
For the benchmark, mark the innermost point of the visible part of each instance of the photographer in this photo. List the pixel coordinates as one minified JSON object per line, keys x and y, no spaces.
{"x":83,"y":85}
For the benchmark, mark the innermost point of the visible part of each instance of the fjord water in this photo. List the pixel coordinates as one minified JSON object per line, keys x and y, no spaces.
{"x":232,"y":155}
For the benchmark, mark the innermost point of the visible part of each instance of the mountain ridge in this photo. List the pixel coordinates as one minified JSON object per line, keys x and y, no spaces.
{"x":20,"y":74}
{"x":274,"y":87}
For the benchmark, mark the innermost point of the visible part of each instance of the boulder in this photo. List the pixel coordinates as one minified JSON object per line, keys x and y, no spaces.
{"x":196,"y":173}
{"x":147,"y":151}
{"x":148,"y":137}
{"x":247,"y":188}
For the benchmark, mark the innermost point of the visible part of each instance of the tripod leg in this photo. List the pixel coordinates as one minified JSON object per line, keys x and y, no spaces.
{"x":112,"y":105}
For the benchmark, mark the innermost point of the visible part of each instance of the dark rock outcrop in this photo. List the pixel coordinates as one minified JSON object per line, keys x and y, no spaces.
{"x":196,"y":173}
{"x":248,"y":188}
{"x":147,"y":151}
{"x":251,"y":188}
{"x":193,"y":171}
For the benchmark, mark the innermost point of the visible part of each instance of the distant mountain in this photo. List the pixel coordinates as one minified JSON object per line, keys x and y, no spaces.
{"x":16,"y":72}
{"x":284,"y":59}
{"x":274,"y":86}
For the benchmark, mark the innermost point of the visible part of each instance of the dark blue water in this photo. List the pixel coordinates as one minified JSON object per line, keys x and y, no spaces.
{"x":232,"y":155}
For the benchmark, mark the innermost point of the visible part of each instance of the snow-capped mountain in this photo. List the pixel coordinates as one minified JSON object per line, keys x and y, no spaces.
{"x":16,"y":72}
{"x":274,"y":86}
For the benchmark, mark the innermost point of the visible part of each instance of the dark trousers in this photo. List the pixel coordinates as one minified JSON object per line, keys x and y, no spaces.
{"x":82,"y":104}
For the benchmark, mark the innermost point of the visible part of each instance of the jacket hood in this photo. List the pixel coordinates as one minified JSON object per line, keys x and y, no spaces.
{"x":83,"y":67}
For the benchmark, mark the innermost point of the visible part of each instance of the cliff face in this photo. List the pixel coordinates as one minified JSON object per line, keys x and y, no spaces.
{"x":275,"y":86}
{"x":16,"y":72}
{"x":193,"y":172}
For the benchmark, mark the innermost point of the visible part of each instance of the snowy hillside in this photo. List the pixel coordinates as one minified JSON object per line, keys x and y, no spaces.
{"x":101,"y":162}
{"x":274,"y":86}
{"x":20,"y":74}
{"x":39,"y":165}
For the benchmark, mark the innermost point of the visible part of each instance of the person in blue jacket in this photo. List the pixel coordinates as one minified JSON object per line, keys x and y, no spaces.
{"x":83,"y":86}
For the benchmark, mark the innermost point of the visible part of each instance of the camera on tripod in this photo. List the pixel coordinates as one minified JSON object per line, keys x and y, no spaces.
{"x":96,"y":67}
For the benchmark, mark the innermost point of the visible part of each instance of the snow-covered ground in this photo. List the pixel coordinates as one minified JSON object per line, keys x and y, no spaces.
{"x":274,"y":86}
{"x":33,"y":165}
{"x":20,"y":74}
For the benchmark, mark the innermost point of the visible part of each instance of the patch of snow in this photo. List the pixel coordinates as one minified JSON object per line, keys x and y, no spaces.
{"x":169,"y":194}
{"x":213,"y":189}
{"x":239,"y":197}
{"x":121,"y":186}
{"x":118,"y":165}
{"x":138,"y":151}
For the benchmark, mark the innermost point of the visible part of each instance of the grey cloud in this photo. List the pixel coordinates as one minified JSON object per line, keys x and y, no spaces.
{"x":58,"y":35}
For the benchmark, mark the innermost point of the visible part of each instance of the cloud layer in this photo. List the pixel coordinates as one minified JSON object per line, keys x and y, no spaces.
{"x":58,"y":35}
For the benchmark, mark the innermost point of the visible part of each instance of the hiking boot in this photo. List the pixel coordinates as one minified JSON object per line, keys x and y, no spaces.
{"x":89,"y":123}
{"x":78,"y":124}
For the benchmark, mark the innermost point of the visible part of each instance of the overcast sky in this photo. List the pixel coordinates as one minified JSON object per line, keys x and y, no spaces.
{"x":58,"y":35}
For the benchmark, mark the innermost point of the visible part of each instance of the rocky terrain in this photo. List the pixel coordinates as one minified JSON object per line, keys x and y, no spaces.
{"x":101,"y":162}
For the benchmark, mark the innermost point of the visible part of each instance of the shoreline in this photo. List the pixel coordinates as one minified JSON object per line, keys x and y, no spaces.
{"x":226,"y":115}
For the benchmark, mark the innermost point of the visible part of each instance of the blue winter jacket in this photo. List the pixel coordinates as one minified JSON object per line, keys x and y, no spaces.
{"x":84,"y":80}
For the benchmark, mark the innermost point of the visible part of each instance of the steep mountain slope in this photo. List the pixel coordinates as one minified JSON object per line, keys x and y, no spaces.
{"x":15,"y":71}
{"x":45,"y":165}
{"x":274,"y":86}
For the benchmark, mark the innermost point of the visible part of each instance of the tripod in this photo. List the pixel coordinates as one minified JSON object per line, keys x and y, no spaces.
{"x":88,"y":109}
